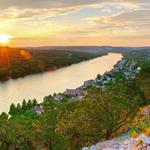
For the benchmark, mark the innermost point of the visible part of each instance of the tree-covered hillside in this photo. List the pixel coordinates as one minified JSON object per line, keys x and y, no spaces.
{"x":71,"y":125}
{"x":17,"y":62}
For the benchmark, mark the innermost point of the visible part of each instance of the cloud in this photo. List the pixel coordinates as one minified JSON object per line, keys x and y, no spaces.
{"x":11,"y":9}
{"x":75,"y":19}
{"x":139,"y":19}
{"x":124,"y":27}
{"x":38,"y":4}
{"x":13,"y":13}
{"x":18,"y":9}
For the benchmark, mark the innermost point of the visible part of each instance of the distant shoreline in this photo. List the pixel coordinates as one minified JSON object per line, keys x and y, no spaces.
{"x":28,"y":62}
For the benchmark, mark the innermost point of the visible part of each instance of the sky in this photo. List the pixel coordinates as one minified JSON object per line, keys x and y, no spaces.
{"x":76,"y":22}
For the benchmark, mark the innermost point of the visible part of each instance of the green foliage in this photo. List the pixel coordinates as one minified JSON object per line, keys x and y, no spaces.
{"x":4,"y":73}
{"x":72,"y":125}
{"x":25,"y":108}
{"x":29,"y":104}
{"x":101,"y":114}
{"x":143,"y":125}
{"x":3,"y":116}
{"x":12,"y":110}
{"x":143,"y":81}
{"x":38,"y":61}
{"x":24,"y":105}
{"x":34,"y":102}
{"x":98,"y":77}
{"x":119,"y":76}
{"x":31,"y":114}
{"x":30,"y":131}
{"x":18,"y":109}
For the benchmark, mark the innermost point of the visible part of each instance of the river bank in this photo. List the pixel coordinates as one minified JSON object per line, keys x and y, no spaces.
{"x":40,"y":85}
{"x":17,"y":62}
{"x":101,"y":115}
{"x":128,"y":68}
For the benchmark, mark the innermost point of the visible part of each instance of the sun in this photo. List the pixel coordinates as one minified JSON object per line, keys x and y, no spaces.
{"x":4,"y":38}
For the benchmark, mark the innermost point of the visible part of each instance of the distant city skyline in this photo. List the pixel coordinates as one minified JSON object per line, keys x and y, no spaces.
{"x":76,"y":22}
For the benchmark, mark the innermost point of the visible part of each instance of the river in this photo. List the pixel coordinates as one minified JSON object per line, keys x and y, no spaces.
{"x":40,"y":85}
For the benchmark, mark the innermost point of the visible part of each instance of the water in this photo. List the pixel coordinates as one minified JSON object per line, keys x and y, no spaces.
{"x":40,"y":85}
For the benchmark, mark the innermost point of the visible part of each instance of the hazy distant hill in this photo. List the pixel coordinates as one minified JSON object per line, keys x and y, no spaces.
{"x":89,"y":48}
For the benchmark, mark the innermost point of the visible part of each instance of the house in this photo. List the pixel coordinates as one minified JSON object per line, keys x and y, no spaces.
{"x":109,"y":73}
{"x":58,"y":97}
{"x":39,"y":109}
{"x":116,"y":69}
{"x":73,"y":91}
{"x":89,"y":83}
{"x":121,"y":63}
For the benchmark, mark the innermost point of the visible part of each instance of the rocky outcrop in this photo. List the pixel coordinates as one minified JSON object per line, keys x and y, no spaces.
{"x":142,"y":142}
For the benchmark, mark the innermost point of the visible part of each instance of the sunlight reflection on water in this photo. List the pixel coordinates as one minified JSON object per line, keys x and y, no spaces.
{"x":40,"y":85}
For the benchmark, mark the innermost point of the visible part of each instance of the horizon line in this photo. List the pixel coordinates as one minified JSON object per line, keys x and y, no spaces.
{"x":71,"y":46}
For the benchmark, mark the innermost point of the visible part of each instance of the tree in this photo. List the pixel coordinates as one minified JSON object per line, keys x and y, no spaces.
{"x":34,"y":103}
{"x":4,"y":73}
{"x":18,"y":109}
{"x":98,"y":77}
{"x":53,"y":140}
{"x":101,"y":114}
{"x":24,"y":105}
{"x":29,"y":105}
{"x":12,"y":110}
{"x":4,"y":116}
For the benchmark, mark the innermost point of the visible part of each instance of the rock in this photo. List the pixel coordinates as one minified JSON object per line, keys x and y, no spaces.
{"x":124,"y":143}
{"x":144,"y":138}
{"x":147,"y":141}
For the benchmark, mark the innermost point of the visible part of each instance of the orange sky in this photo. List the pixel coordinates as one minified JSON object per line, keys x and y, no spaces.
{"x":90,"y":22}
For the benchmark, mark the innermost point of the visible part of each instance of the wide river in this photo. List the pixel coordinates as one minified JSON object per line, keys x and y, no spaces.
{"x":40,"y":85}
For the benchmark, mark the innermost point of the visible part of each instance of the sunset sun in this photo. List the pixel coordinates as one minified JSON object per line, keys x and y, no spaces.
{"x":4,"y":38}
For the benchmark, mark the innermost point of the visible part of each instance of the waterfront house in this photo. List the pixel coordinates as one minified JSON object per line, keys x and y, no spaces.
{"x":58,"y":97}
{"x":73,"y":91}
{"x":39,"y":109}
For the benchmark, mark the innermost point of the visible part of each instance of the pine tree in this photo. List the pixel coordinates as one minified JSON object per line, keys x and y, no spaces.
{"x":24,"y":105}
{"x":18,"y":108}
{"x":12,"y":110}
{"x":34,"y":103}
{"x":29,"y":105}
{"x":99,"y":77}
{"x":4,"y":116}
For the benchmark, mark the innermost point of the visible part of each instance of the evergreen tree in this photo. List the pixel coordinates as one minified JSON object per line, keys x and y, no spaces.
{"x":24,"y":105}
{"x":18,"y":108}
{"x":99,"y":77}
{"x":4,"y":116}
{"x":29,"y":105}
{"x":12,"y":110}
{"x":34,"y":103}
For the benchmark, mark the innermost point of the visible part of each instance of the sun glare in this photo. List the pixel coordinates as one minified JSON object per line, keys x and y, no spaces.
{"x":4,"y":38}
